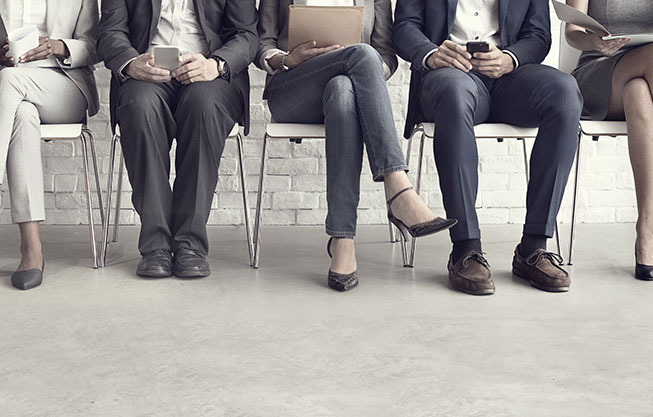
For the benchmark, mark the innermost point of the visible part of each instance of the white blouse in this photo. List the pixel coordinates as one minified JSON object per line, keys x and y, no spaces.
{"x":23,"y":13}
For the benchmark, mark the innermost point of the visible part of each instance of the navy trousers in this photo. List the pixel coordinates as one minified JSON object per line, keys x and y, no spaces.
{"x":531,"y":96}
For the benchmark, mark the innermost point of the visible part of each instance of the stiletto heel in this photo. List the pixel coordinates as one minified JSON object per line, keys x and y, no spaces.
{"x":643,"y":272}
{"x":422,"y":229}
{"x":341,"y":282}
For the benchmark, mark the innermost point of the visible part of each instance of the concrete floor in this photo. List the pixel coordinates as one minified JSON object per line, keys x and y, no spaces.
{"x":278,"y":342}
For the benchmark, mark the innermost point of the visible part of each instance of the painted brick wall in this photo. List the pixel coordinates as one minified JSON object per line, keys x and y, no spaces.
{"x":296,"y":181}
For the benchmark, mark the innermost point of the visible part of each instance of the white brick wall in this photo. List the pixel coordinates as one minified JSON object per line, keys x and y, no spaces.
{"x":296,"y":174}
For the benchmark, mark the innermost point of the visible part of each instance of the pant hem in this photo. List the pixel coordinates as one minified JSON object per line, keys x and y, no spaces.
{"x":378,"y":175}
{"x":539,"y":229}
{"x":340,"y":234}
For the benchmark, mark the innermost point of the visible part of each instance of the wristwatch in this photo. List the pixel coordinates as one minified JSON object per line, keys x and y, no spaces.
{"x":222,"y":67}
{"x":282,"y":62}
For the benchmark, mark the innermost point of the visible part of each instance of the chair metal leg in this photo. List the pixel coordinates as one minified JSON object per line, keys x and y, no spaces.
{"x":91,"y":139}
{"x":418,"y":189}
{"x":572,"y":237}
{"x":116,"y":219}
{"x":259,"y":204}
{"x":89,"y":201}
{"x":527,"y":170}
{"x":243,"y":186}
{"x":107,"y":221}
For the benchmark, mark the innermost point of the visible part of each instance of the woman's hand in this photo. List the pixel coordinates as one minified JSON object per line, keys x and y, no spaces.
{"x":306,"y":51}
{"x":47,"y":48}
{"x":6,"y":61}
{"x":609,"y":47}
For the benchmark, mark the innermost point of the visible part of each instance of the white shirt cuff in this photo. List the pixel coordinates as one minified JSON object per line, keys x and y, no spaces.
{"x":124,"y":77}
{"x":513,"y":56}
{"x":265,"y":64}
{"x":424,"y":66}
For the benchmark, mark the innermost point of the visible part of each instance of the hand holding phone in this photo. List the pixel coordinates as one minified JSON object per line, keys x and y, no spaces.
{"x":166,"y":57}
{"x":473,"y":47}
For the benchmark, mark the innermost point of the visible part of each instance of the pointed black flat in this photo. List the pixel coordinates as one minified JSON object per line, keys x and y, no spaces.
{"x":26,"y":280}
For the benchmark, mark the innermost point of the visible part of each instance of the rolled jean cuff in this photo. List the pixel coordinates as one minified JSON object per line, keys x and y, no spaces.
{"x":378,"y":175}
{"x":539,"y":229}
{"x":341,"y":233}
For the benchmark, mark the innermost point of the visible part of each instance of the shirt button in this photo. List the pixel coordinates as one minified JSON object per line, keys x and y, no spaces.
{"x":476,"y":37}
{"x":475,"y":13}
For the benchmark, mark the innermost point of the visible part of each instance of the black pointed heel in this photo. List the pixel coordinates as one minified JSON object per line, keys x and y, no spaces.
{"x":341,"y":282}
{"x":643,"y":272}
{"x":26,"y":280}
{"x":422,"y":229}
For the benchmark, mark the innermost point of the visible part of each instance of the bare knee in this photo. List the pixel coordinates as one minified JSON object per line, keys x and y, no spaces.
{"x":637,"y":98}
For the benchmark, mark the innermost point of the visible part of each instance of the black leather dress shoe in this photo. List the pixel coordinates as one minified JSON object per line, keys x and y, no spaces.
{"x":190,"y":264}
{"x":26,"y":280}
{"x":156,"y":264}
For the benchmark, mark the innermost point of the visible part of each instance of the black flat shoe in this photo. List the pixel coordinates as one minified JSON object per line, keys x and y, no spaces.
{"x":341,"y":282}
{"x":644,"y":272}
{"x":26,"y":280}
{"x":422,"y":229}
{"x":156,"y":264}
{"x":190,"y":264}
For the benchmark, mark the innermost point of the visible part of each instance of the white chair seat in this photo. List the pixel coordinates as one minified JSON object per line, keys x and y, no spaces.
{"x":292,"y":130}
{"x":232,"y":134}
{"x":61,"y":132}
{"x":603,"y":128}
{"x":491,"y":130}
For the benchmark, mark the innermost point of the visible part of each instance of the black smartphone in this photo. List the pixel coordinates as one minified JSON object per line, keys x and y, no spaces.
{"x":473,"y":47}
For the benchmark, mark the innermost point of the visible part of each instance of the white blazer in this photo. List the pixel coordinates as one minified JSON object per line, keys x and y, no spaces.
{"x":74,"y":22}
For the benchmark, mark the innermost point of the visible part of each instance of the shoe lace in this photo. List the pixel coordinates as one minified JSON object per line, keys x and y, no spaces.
{"x":554,"y":258}
{"x":478,"y":257}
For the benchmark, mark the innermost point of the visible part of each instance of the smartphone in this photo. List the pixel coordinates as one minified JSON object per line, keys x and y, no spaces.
{"x":473,"y":47}
{"x":166,"y":57}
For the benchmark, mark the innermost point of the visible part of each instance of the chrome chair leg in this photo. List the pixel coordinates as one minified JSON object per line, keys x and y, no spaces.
{"x":259,"y":204}
{"x":89,"y":201}
{"x":107,"y":221}
{"x":243,"y":186}
{"x":121,"y":170}
{"x":91,"y":139}
{"x":418,"y":189}
{"x":572,"y":237}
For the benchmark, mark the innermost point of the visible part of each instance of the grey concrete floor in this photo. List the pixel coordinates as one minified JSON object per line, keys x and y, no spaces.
{"x":277,"y":342}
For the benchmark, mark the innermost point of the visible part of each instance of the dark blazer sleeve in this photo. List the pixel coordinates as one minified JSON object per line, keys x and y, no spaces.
{"x":114,"y":46}
{"x":268,"y":29}
{"x":534,"y":38}
{"x":408,"y":36}
{"x":381,"y":38}
{"x":241,"y":38}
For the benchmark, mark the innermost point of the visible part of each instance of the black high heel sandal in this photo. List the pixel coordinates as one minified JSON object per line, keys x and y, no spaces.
{"x":422,"y":229}
{"x":341,"y":282}
{"x":643,"y":272}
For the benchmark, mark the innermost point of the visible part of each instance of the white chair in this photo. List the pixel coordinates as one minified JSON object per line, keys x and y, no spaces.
{"x":295,"y":132}
{"x":58,"y":132}
{"x":234,"y":134}
{"x":588,"y":128}
{"x":498,"y":131}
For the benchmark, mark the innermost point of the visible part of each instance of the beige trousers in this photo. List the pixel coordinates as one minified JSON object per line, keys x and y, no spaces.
{"x":29,"y":97}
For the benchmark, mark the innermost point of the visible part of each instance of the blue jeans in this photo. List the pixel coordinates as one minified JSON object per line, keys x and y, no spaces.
{"x":346,"y":91}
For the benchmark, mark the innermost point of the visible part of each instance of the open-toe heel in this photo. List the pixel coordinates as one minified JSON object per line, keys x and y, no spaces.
{"x":422,"y":229}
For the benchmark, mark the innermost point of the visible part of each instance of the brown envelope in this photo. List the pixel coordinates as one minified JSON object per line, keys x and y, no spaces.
{"x":325,"y":25}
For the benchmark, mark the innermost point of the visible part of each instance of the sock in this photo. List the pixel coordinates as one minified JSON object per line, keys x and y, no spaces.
{"x":461,"y":247}
{"x":531,"y":243}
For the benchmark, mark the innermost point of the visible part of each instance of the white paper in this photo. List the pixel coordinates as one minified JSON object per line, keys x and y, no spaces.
{"x":635,"y":40}
{"x":22,"y":40}
{"x":574,"y":16}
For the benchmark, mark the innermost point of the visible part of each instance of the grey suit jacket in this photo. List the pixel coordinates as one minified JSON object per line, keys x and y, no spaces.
{"x":377,"y":28}
{"x":75,"y":22}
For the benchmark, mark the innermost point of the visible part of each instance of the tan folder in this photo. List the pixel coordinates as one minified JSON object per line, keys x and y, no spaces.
{"x":325,"y":25}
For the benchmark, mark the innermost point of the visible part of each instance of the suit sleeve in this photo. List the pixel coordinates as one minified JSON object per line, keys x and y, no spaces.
{"x":114,"y":46}
{"x":239,"y":50}
{"x":82,"y":45}
{"x":408,"y":36}
{"x":381,"y":38}
{"x":534,"y":39}
{"x":268,"y":30}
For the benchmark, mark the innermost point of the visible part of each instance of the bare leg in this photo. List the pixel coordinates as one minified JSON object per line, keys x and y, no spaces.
{"x":632,"y":98}
{"x":344,"y":256}
{"x":30,"y":246}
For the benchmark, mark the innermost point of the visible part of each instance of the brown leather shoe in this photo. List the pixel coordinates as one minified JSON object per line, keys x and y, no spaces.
{"x":542,"y":269}
{"x":471,"y":274}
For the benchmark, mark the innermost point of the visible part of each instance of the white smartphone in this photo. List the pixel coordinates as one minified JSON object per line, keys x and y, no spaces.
{"x":166,"y":57}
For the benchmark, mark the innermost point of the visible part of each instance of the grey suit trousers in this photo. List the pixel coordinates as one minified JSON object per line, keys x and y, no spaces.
{"x":29,"y":97}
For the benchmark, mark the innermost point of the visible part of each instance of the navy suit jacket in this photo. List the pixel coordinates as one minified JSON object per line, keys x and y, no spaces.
{"x":229,"y":26}
{"x":423,"y":25}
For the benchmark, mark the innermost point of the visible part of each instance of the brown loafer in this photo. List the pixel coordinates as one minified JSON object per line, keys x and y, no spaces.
{"x":542,"y":270}
{"x":471,"y":274}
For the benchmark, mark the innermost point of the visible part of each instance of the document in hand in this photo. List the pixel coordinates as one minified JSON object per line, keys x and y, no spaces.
{"x":574,"y":16}
{"x":325,"y":25}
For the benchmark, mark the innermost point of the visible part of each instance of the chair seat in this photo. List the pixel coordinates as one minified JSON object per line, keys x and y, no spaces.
{"x":603,"y":128}
{"x":232,"y":134}
{"x":295,"y":131}
{"x":61,"y":132}
{"x":491,"y":131}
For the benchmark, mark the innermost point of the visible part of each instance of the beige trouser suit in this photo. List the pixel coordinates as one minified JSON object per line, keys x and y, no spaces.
{"x":46,"y":91}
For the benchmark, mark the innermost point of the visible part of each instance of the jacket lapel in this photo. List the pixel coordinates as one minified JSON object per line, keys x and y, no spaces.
{"x":503,"y":14}
{"x":51,"y":15}
{"x":156,"y":14}
{"x":451,"y":14}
